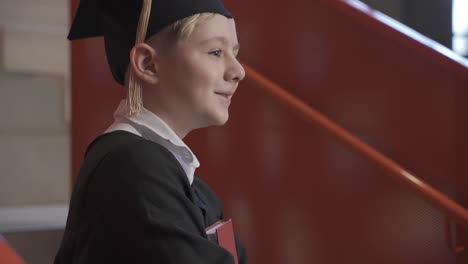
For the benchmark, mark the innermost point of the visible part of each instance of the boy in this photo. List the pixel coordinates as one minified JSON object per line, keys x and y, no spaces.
{"x":137,"y":199}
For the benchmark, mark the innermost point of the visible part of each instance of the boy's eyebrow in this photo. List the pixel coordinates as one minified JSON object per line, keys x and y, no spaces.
{"x":220,"y":39}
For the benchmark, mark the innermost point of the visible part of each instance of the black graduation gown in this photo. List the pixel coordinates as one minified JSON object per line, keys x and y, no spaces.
{"x":133,"y":203}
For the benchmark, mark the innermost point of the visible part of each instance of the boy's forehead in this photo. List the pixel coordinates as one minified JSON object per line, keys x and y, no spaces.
{"x":216,"y":29}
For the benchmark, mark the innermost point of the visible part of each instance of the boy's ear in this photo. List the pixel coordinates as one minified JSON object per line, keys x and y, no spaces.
{"x":143,"y":62}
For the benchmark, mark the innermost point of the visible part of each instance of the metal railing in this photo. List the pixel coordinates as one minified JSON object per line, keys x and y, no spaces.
{"x":408,"y":179}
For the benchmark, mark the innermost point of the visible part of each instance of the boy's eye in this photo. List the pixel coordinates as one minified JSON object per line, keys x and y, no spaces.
{"x":216,"y":53}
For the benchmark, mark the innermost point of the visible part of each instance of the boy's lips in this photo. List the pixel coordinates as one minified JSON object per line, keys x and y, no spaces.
{"x":227,"y":94}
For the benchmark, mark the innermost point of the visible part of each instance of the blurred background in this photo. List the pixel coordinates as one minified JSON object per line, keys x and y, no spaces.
{"x":35,"y":125}
{"x":391,"y":72}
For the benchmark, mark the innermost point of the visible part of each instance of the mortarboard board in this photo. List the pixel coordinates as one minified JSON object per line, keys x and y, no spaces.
{"x":123,"y":22}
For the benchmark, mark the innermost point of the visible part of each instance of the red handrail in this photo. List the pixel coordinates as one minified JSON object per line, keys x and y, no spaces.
{"x":429,"y":193}
{"x":8,"y":254}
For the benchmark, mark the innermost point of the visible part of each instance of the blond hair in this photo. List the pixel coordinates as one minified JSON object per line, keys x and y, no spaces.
{"x":179,"y":30}
{"x":182,"y":29}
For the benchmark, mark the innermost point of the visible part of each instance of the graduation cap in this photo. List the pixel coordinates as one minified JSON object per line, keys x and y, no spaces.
{"x":124,"y":23}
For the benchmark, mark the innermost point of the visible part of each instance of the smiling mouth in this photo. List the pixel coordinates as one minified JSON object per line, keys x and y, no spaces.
{"x":225,"y":95}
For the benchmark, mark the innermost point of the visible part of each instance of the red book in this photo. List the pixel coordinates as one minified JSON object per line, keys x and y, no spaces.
{"x":222,"y":233}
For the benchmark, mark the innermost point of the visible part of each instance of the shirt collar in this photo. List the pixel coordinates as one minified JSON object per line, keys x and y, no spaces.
{"x":153,"y":128}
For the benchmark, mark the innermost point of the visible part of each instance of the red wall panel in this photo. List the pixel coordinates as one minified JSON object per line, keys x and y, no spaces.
{"x":296,"y":195}
{"x":461,"y":180}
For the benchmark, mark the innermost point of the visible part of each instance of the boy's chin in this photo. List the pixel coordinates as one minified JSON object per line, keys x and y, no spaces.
{"x":218,"y":120}
{"x":223,"y":120}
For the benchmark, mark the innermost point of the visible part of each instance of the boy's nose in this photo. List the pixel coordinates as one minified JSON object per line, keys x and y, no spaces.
{"x":236,"y":72}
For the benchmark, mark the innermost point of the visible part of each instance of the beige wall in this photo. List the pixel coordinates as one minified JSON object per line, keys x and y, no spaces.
{"x":34,"y":125}
{"x":34,"y":103}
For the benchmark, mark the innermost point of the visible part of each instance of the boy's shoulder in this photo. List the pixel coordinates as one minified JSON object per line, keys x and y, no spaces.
{"x":114,"y":153}
{"x":126,"y":143}
{"x":110,"y":142}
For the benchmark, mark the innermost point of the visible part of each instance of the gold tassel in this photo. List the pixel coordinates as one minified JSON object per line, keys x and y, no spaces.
{"x":135,"y":94}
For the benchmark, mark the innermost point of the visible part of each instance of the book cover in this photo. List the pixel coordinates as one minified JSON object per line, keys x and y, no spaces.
{"x":222,"y":233}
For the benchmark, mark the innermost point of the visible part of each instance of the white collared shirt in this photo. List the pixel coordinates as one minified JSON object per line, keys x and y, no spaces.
{"x":151,"y":127}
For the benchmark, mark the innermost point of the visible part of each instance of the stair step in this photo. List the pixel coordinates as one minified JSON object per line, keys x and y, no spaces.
{"x":35,"y":169}
{"x":52,"y":14}
{"x":34,"y":232}
{"x":29,"y":51}
{"x":36,"y":247}
{"x":31,"y":103}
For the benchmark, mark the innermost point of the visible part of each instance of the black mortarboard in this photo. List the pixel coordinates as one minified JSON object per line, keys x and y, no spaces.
{"x":117,"y":21}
